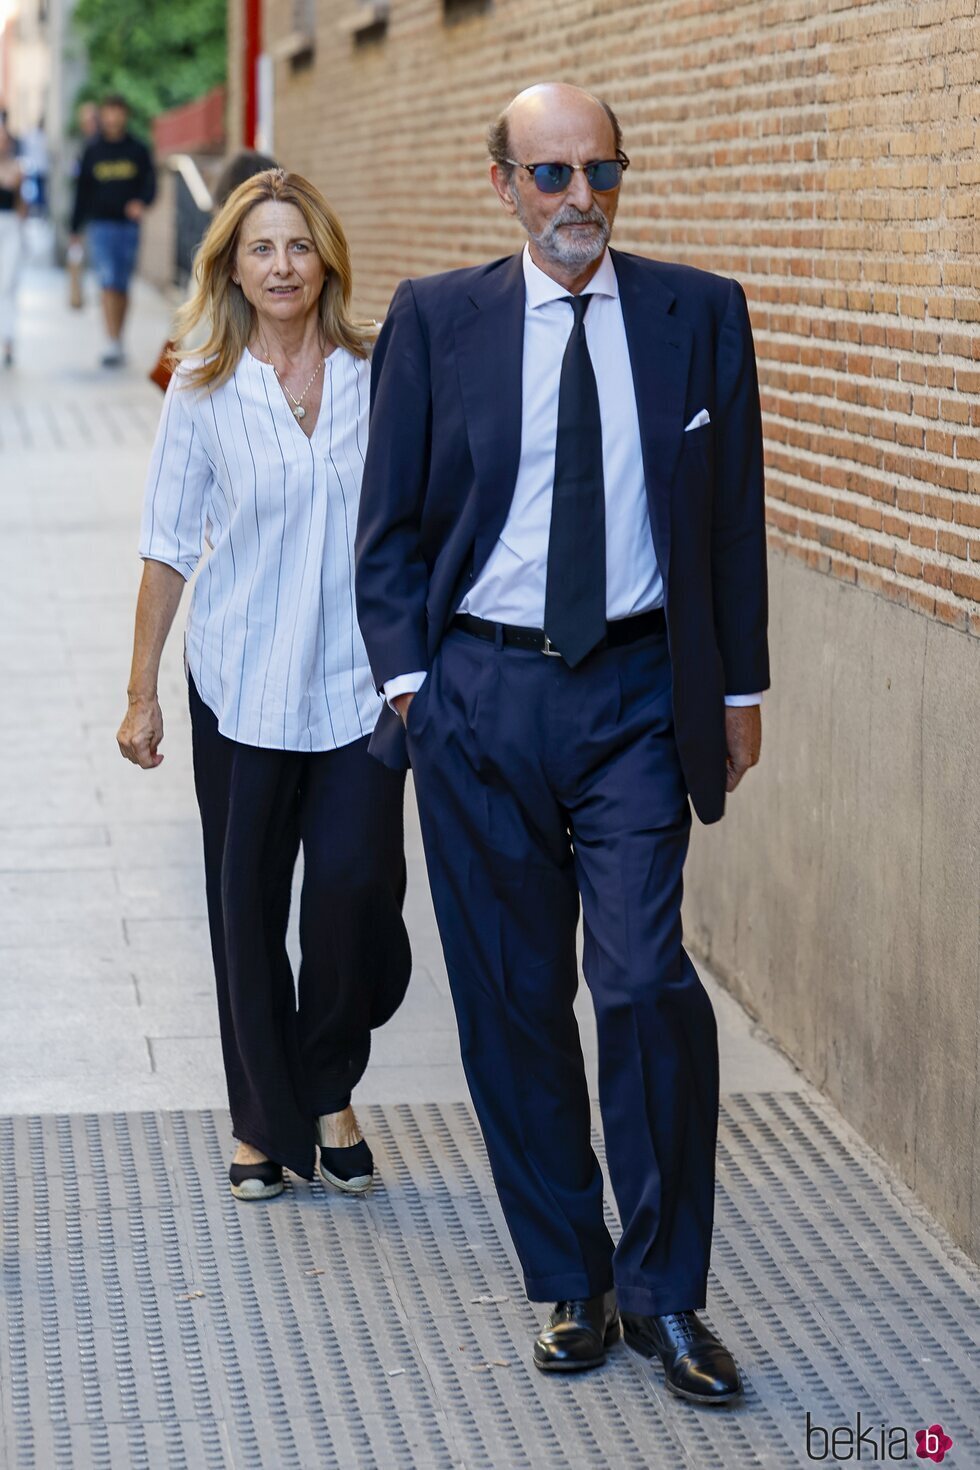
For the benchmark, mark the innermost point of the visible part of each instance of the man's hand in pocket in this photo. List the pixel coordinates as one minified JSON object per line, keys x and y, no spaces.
{"x":401,"y":703}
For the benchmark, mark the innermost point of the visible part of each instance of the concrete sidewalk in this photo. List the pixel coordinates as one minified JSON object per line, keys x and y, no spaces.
{"x":146,"y":1319}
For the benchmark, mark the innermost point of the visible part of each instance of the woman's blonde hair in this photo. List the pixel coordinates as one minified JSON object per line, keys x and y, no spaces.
{"x":222,"y":305}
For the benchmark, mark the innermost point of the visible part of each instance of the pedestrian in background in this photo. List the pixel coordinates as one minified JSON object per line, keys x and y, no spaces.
{"x":12,"y":211}
{"x":259,"y":456}
{"x":35,"y":162}
{"x":87,"y":119}
{"x":241,"y":167}
{"x":116,"y":182}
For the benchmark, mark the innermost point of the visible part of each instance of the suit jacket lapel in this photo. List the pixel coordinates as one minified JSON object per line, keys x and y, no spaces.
{"x":490,"y":354}
{"x":660,"y":358}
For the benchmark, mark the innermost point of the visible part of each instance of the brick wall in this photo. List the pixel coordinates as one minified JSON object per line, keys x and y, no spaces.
{"x":825,"y":153}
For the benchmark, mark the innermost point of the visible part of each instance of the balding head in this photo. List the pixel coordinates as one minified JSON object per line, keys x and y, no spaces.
{"x":546,"y":146}
{"x":546,"y":110}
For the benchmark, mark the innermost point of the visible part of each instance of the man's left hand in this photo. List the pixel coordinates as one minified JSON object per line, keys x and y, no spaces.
{"x":743,"y":734}
{"x":134,"y":209}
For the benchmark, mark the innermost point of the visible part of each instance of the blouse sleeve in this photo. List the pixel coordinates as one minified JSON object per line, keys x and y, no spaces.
{"x":177,"y":482}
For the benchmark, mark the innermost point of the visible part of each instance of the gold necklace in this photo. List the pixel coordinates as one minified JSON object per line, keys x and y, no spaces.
{"x":298,"y":410}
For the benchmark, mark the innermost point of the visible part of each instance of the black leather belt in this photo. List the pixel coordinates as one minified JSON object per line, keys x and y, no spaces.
{"x":618,"y":633}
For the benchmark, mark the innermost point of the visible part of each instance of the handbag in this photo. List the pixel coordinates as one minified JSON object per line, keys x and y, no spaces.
{"x":163,"y":369}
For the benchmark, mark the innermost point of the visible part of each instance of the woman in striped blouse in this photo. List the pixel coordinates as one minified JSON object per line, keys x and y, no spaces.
{"x":258,"y":458}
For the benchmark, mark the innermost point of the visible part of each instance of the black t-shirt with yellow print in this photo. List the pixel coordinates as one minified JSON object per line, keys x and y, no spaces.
{"x":110,"y":175}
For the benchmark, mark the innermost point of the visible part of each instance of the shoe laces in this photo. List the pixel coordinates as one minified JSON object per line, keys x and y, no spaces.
{"x":684,"y":1324}
{"x":566,"y":1310}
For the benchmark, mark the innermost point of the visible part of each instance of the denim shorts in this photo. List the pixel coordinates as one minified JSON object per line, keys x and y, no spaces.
{"x":113,"y":245}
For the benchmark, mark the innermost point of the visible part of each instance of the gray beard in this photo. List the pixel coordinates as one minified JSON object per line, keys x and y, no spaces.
{"x":570,"y":251}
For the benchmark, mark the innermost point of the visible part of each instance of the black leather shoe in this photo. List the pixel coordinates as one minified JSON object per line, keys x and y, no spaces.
{"x":256,"y":1181}
{"x":577,"y":1334}
{"x":697,"y":1366}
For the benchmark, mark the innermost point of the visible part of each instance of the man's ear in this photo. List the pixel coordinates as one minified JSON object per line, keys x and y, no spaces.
{"x":501,"y":182}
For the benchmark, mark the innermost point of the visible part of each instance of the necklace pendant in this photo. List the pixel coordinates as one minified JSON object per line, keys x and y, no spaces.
{"x":299,"y":411}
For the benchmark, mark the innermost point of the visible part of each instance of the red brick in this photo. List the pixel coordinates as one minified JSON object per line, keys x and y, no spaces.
{"x":957,"y":411}
{"x":966,"y":584}
{"x":827,"y":158}
{"x":967,"y":513}
{"x":870,"y":579}
{"x":952,"y":613}
{"x":952,"y":545}
{"x":922,"y":602}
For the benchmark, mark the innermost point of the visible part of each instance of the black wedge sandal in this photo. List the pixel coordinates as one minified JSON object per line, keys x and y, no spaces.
{"x":256,"y":1181}
{"x":348,"y":1169}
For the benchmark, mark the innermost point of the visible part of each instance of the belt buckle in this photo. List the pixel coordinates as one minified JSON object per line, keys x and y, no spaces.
{"x":549,"y":648}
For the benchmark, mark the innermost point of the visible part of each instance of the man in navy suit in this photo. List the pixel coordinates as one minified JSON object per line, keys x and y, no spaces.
{"x":561,"y":584}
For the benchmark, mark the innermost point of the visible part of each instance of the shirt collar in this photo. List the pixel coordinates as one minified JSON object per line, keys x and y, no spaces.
{"x":541,"y":288}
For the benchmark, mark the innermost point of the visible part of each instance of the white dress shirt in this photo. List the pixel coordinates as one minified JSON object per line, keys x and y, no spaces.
{"x":511,"y":586}
{"x":272,"y":641}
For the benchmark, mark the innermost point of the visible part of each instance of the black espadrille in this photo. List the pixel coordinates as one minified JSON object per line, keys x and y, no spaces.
{"x":256,"y":1181}
{"x":348,"y":1169}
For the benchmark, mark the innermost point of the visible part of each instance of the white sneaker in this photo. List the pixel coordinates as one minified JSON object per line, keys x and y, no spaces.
{"x":113,"y":355}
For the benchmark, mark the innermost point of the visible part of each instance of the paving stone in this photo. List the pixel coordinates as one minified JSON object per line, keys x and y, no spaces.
{"x":149,"y":1319}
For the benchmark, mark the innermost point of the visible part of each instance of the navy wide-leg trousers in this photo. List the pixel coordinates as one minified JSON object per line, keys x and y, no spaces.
{"x":537,"y":785}
{"x":289,"y":1058}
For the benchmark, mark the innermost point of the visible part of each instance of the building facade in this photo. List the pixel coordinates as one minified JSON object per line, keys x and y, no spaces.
{"x":41,"y":69}
{"x":827,"y":156}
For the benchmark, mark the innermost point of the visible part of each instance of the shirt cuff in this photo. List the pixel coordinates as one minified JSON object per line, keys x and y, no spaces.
{"x":403,"y":684}
{"x":740,"y":701}
{"x":185,"y":568}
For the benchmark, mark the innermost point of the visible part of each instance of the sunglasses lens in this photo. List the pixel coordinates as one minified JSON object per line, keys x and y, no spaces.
{"x":552,"y":178}
{"x":604,"y":176}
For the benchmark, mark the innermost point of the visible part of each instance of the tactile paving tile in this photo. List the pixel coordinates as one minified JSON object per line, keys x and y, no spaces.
{"x":148,"y":1320}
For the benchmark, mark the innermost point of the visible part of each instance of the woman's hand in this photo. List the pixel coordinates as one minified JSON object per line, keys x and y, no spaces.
{"x":141,"y":731}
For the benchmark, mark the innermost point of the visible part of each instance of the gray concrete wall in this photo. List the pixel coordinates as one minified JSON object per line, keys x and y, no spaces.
{"x":840,"y":897}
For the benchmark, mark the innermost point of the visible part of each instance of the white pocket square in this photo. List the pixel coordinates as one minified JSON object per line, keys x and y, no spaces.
{"x":701,"y":417}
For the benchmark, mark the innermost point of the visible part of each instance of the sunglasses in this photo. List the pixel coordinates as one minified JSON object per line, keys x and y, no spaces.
{"x":554,"y":178}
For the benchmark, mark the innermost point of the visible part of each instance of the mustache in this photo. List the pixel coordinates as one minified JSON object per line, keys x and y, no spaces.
{"x":569,"y":215}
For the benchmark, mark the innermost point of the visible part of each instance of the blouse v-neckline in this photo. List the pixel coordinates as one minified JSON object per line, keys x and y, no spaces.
{"x":280,"y":392}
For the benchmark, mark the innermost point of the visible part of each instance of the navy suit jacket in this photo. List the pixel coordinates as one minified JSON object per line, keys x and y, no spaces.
{"x":443,"y":457}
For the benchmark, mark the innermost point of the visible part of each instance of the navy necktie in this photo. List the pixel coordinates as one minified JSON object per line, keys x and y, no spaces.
{"x":575,"y":596}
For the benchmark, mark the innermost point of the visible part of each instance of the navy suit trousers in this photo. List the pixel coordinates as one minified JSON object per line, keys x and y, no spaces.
{"x":538,"y":786}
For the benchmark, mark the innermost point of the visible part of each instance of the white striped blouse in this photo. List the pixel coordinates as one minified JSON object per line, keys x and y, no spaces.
{"x":272,"y":641}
